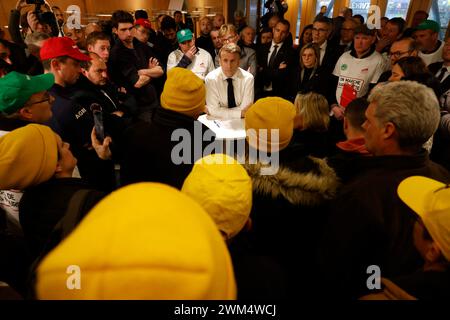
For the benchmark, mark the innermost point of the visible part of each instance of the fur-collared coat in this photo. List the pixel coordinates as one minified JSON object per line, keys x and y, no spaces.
{"x":288,"y":213}
{"x":292,"y":201}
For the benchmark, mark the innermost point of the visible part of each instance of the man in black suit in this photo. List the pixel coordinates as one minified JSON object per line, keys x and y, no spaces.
{"x":442,"y":72}
{"x":275,"y":62}
{"x":329,"y":54}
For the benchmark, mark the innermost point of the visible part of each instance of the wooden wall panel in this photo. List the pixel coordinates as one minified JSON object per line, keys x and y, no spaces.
{"x":90,"y":7}
{"x":415,"y":6}
{"x":308,"y":13}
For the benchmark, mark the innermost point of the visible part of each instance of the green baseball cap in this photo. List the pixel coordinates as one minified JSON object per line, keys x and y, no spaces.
{"x":429,"y":25}
{"x":184,"y":35}
{"x":16,"y":88}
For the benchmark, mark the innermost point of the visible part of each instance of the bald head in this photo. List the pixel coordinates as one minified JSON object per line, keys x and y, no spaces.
{"x":95,"y":70}
{"x":92,"y":27}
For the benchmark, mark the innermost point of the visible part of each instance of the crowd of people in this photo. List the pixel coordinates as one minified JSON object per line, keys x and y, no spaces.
{"x":92,"y":173}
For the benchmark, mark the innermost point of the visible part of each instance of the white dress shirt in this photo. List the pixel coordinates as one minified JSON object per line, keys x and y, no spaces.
{"x":217,"y":93}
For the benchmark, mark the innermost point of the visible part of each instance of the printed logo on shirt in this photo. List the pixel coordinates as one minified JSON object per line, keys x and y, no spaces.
{"x":80,"y":113}
{"x":357,"y":84}
{"x":365,"y":70}
{"x":344,"y":67}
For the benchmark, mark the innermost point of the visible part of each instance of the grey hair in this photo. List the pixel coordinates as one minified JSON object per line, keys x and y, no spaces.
{"x":33,"y":38}
{"x":412,"y":107}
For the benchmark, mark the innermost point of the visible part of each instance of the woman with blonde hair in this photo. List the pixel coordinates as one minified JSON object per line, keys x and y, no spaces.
{"x":309,"y":77}
{"x":311,"y":125}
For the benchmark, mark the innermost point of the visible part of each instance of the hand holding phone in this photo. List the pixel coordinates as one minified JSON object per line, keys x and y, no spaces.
{"x":98,"y":121}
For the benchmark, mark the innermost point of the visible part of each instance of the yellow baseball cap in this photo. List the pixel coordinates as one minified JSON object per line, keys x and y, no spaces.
{"x":430,"y":199}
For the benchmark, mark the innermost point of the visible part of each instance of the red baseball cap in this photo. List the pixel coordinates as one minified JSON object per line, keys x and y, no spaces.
{"x":61,"y":46}
{"x":143,"y":22}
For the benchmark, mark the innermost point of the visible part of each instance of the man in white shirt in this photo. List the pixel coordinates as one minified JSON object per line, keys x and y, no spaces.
{"x":229,"y":89}
{"x":426,"y":36}
{"x":190,"y":57}
{"x":357,"y":69}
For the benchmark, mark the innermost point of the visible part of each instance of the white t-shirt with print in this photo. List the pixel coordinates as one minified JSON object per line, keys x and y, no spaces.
{"x":9,"y":202}
{"x":358,"y":72}
{"x":432,"y":57}
{"x":201,"y":64}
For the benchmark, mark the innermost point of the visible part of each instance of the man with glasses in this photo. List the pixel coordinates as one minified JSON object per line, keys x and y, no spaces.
{"x":347,"y":34}
{"x":229,"y":34}
{"x":404,"y":47}
{"x":23,"y":100}
{"x":328,"y":54}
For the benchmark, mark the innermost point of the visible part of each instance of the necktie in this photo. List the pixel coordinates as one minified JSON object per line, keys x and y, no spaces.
{"x":273,"y":56}
{"x":231,"y":100}
{"x":441,"y":76}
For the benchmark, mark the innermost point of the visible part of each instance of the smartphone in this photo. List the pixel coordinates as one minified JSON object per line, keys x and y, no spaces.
{"x":98,"y":121}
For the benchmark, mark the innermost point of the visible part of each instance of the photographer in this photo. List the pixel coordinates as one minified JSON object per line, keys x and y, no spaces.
{"x":36,"y":20}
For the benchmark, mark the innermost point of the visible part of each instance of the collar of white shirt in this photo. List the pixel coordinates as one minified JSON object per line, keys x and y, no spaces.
{"x":236,"y":75}
{"x":276,"y":44}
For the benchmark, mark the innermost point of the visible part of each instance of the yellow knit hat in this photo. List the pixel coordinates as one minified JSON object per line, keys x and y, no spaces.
{"x":183,"y":92}
{"x":223,"y":188}
{"x":270,"y":113}
{"x":144,"y":241}
{"x":28,"y":156}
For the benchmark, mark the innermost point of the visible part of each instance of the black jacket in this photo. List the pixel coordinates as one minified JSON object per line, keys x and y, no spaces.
{"x":74,"y":123}
{"x":318,"y":82}
{"x":146,"y":149}
{"x":123,"y":67}
{"x":426,"y":285}
{"x":288,"y":211}
{"x":370,"y":225}
{"x":280,"y":78}
{"x":332,"y":55}
{"x":42,"y":206}
{"x":206,"y":43}
{"x":86,"y":93}
{"x":434,"y":69}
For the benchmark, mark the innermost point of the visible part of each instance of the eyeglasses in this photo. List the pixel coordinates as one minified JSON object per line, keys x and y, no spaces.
{"x":398,"y":54}
{"x":49,"y":98}
{"x":230,"y":38}
{"x":319,"y":30}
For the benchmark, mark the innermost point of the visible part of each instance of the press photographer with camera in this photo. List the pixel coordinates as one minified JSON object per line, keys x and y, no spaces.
{"x":40,"y":19}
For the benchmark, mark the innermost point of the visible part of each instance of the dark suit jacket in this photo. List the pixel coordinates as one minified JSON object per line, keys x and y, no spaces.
{"x":278,"y":77}
{"x":318,"y":82}
{"x":434,"y":69}
{"x":332,"y":54}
